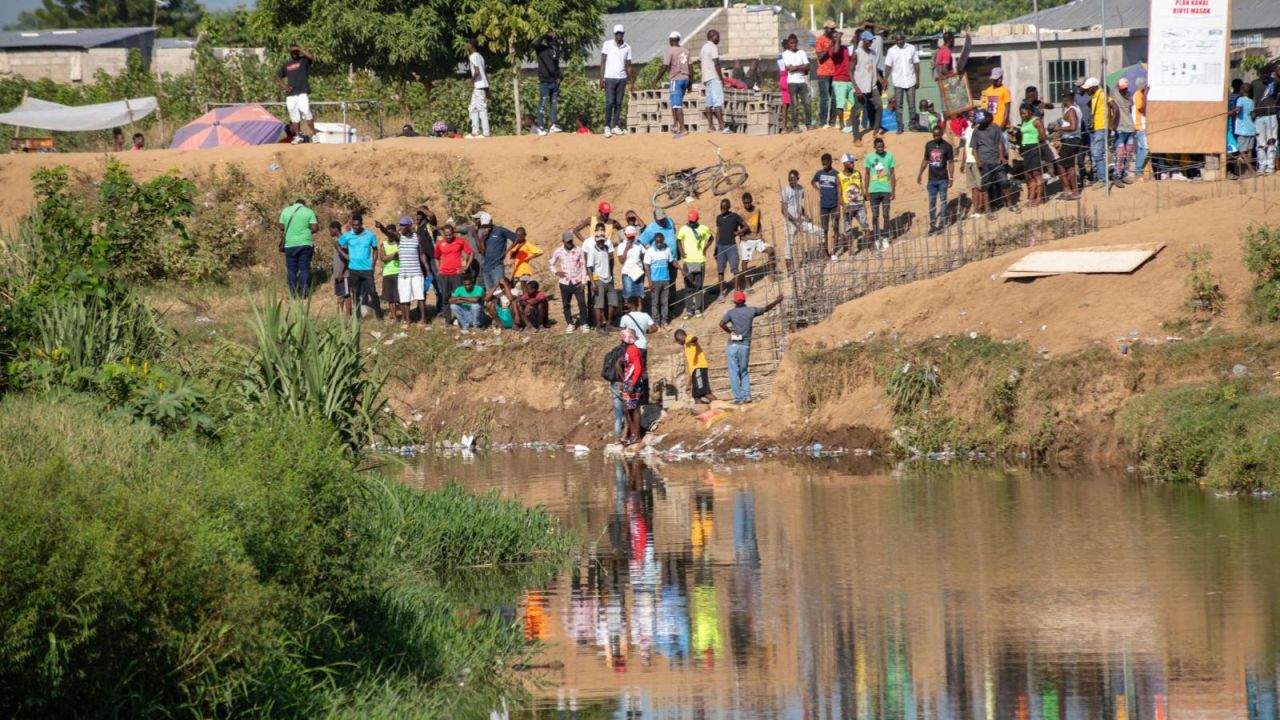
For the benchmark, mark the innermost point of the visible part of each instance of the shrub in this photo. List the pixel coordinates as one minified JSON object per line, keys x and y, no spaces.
{"x":911,"y":386}
{"x":1204,"y":294}
{"x":1262,"y":258}
{"x":458,"y":188}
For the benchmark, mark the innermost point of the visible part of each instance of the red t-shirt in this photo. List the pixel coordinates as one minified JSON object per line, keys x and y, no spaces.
{"x":943,"y":59}
{"x":825,"y":67}
{"x":841,"y":57}
{"x":450,"y":255}
{"x":635,"y":365}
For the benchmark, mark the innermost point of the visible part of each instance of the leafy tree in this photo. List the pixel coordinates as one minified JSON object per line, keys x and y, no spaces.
{"x":510,"y":29}
{"x":169,"y":17}
{"x":418,"y":39}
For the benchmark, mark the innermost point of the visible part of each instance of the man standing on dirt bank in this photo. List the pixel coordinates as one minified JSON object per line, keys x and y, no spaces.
{"x":361,"y":244}
{"x":549,"y":76}
{"x":615,"y":75}
{"x":738,"y":322}
{"x":299,"y":224}
{"x":693,"y":239}
{"x":675,"y":62}
{"x":903,"y":61}
{"x":293,"y":78}
{"x":453,"y":255}
{"x":712,"y":84}
{"x":491,"y":242}
{"x":824,"y":47}
{"x":479,"y":108}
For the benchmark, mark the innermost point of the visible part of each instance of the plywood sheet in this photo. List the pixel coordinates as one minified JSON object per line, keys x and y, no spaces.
{"x":1187,"y":127}
{"x":1107,"y":259}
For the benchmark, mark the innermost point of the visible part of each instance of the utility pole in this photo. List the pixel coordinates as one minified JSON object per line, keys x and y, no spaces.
{"x":1035,"y":14}
{"x":1106,"y":112}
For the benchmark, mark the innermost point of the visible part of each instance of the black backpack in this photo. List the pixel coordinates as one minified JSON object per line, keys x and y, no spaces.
{"x":610,"y":370}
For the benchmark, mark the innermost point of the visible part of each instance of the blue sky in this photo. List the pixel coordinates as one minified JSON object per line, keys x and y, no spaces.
{"x":9,"y":9}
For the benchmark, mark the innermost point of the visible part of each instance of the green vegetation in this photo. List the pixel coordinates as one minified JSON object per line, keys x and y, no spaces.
{"x":1205,"y":296}
{"x":1262,"y":258}
{"x":912,"y":386}
{"x":1222,"y":433}
{"x":196,"y":544}
{"x":172,"y":18}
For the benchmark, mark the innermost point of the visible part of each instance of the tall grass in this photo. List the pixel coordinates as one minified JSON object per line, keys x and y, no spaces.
{"x":314,"y":368}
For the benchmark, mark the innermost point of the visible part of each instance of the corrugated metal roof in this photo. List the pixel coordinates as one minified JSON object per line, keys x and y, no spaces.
{"x":174,"y":43}
{"x":83,"y":39}
{"x":647,"y":32}
{"x":1084,"y":14}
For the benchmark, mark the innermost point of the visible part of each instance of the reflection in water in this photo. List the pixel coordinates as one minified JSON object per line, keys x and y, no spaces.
{"x":809,"y":592}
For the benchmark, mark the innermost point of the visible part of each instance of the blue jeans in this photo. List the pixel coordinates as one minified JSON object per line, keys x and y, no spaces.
{"x":738,"y":356}
{"x":468,"y":315}
{"x":1124,"y":139}
{"x":826,"y":100}
{"x":1140,"y":146}
{"x":548,"y":94}
{"x":614,"y":90}
{"x":938,"y":197}
{"x":615,"y":390}
{"x":489,"y":276}
{"x":297,"y":269}
{"x":1098,"y":148}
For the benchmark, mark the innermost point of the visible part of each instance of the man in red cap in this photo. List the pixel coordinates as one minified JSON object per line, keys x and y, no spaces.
{"x":603,"y":215}
{"x":693,"y":240}
{"x":738,"y":322}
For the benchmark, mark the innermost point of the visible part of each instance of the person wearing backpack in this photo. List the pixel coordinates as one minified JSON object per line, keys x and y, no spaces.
{"x":629,"y":366}
{"x":636,"y":319}
{"x":612,"y":376}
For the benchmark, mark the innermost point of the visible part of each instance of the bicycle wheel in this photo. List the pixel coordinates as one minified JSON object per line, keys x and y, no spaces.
{"x":731,"y":178}
{"x":704,"y":180}
{"x":669,"y":195}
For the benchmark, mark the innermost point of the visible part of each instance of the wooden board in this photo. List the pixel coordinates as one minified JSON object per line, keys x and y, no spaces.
{"x":1187,"y":127}
{"x":956,"y":96}
{"x":1107,"y":259}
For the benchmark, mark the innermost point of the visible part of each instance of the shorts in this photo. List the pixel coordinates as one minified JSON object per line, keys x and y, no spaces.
{"x":727,"y":255}
{"x":489,"y":276}
{"x":994,"y":178}
{"x":678,"y":89}
{"x":1030,"y":159}
{"x":701,"y":383}
{"x":341,"y":288}
{"x":750,"y":247}
{"x":391,"y":289}
{"x":632,"y":393}
{"x":603,"y":289}
{"x":632,"y":288}
{"x":299,"y":107}
{"x":790,"y":230}
{"x":829,"y":217}
{"x":713,"y":92}
{"x":843,"y":91}
{"x":1246,"y":143}
{"x":973,"y":175}
{"x":411,"y":287}
{"x":1071,"y":147}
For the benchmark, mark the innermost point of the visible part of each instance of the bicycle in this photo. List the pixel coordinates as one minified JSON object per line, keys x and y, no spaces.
{"x":690,"y":183}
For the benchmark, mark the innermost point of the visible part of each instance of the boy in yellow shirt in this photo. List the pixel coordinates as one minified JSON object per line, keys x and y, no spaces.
{"x":696,"y":362}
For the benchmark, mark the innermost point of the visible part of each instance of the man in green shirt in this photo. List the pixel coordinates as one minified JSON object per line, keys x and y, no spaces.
{"x":468,"y":304}
{"x":882,"y":187}
{"x":298,"y":223}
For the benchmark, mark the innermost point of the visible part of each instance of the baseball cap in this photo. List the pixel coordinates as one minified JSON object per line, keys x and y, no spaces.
{"x":1090,"y":84}
{"x":675,"y":35}
{"x":566,"y":236}
{"x":483,"y":218}
{"x":604,"y":208}
{"x":693,"y":216}
{"x":659,"y":214}
{"x":618,"y":29}
{"x":866,"y":35}
{"x":829,"y":24}
{"x":997,"y":73}
{"x":979,"y":116}
{"x":739,"y":297}
{"x":848,"y":158}
{"x":630,"y":231}
{"x":406,"y":220}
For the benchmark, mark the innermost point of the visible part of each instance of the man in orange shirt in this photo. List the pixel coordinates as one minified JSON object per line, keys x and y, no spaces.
{"x":824,"y":46}
{"x":996,"y":100}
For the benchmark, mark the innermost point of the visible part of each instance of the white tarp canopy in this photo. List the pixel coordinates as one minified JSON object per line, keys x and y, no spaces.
{"x":33,"y":113}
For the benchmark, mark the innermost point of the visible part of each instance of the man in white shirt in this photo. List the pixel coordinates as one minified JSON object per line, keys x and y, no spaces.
{"x":712,"y":84}
{"x":903,"y":63}
{"x":615,"y":76}
{"x":479,"y":108}
{"x":797,"y":64}
{"x":866,"y":88}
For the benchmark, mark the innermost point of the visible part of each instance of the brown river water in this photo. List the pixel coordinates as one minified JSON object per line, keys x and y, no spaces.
{"x":810,"y":589}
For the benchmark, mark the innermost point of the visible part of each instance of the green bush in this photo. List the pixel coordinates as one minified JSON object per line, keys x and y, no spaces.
{"x":260,"y":575}
{"x":1205,"y":296}
{"x":1262,"y":258}
{"x":911,"y":387}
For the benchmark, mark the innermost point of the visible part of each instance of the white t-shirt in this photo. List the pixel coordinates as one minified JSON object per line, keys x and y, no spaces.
{"x":795,"y":57}
{"x":476,"y":62}
{"x":632,"y":260}
{"x":616,"y":58}
{"x":640,"y":322}
{"x":903,"y":62}
{"x":707,"y":56}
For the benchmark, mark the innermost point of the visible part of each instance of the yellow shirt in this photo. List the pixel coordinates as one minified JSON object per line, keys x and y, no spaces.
{"x":1098,"y":106}
{"x":522,"y":254}
{"x":996,"y":101}
{"x":694,"y":358}
{"x":849,"y":181}
{"x":752,"y":219}
{"x":1140,"y":110}
{"x":693,"y":244}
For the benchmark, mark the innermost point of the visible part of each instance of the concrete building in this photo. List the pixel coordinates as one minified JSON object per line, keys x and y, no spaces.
{"x":71,"y":56}
{"x":1071,"y":41}
{"x":175,"y":56}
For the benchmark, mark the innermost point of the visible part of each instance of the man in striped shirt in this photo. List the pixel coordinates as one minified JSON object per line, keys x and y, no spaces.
{"x":413,"y":281}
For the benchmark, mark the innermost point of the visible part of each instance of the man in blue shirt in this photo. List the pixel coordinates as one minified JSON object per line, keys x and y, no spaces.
{"x":491,"y":242}
{"x":661,"y":224}
{"x":827,"y":182}
{"x":361,"y":244}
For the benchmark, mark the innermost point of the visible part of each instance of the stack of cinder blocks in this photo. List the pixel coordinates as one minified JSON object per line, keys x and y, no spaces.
{"x":745,"y":111}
